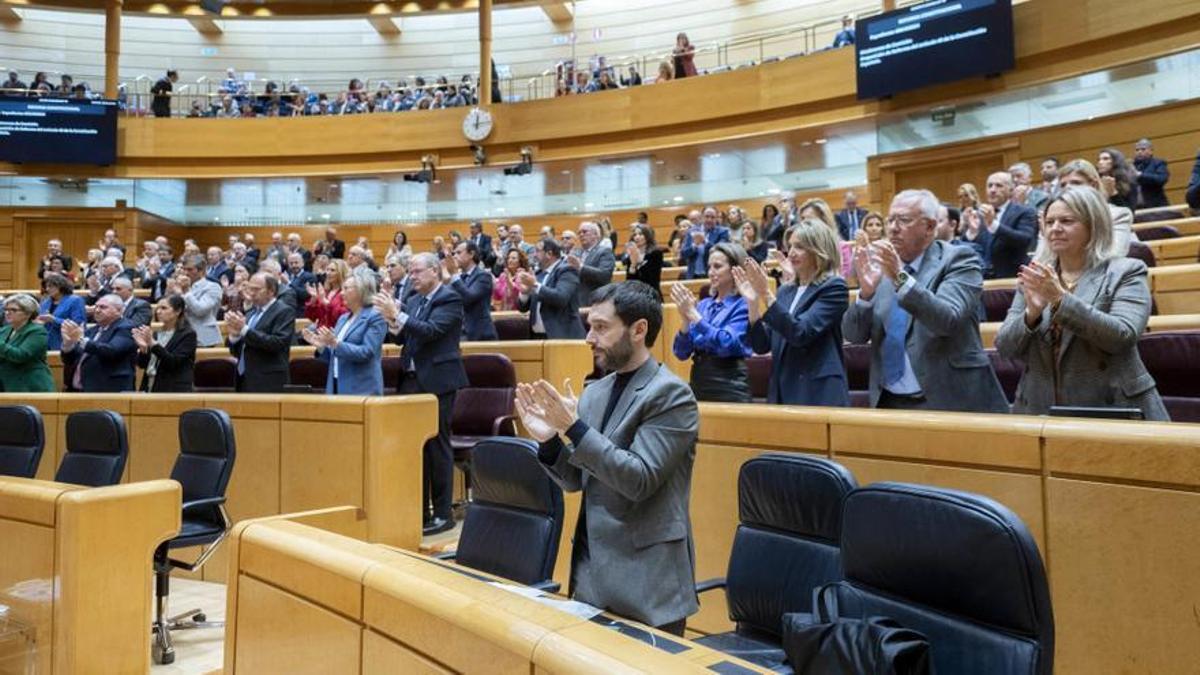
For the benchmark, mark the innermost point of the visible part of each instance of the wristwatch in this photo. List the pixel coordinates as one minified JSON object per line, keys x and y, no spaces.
{"x":901,"y":279}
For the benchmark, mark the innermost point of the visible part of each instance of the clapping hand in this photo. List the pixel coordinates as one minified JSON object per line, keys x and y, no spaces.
{"x":144,"y":337}
{"x":698,"y":238}
{"x":1020,"y":194}
{"x":869,"y":275}
{"x":385,"y":304}
{"x":685,"y":302}
{"x":310,"y":335}
{"x":574,"y":260}
{"x":526,"y":281}
{"x":93,"y":283}
{"x":888,"y":260}
{"x":1110,"y":185}
{"x":234,"y":322}
{"x":756,"y":278}
{"x":543,"y":411}
{"x":785,"y":265}
{"x":1041,"y":288}
{"x":533,"y":416}
{"x":71,"y":331}
{"x":449,"y":267}
{"x":634,"y":253}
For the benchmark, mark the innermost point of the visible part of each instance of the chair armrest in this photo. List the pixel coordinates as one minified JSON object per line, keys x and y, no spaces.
{"x":445,"y":555}
{"x":207,"y":501}
{"x":547,"y":586}
{"x":710,"y":584}
{"x":504,"y":424}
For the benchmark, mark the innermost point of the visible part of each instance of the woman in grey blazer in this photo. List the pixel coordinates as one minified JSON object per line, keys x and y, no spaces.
{"x":1077,"y":316}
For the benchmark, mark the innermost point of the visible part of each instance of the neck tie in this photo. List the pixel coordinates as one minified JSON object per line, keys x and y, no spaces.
{"x":895,"y":332}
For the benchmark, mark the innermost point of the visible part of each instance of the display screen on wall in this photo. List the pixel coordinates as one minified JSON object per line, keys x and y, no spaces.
{"x":932,"y":43}
{"x":58,"y":131}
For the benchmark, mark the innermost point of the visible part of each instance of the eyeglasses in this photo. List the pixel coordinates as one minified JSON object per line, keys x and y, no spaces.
{"x":903,"y":221}
{"x":13,"y":310}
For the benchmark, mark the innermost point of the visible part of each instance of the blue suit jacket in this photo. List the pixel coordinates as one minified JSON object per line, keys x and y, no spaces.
{"x":111,"y":361}
{"x":299,"y":284}
{"x":806,"y":345}
{"x":695,"y":258}
{"x":431,"y":339}
{"x":475,"y":289}
{"x":359,"y":355}
{"x":70,"y":307}
{"x":1152,"y":181}
{"x":1012,"y":241}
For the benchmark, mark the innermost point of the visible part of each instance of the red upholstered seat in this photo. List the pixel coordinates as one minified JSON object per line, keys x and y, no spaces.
{"x":1173,"y":359}
{"x":215,"y":375}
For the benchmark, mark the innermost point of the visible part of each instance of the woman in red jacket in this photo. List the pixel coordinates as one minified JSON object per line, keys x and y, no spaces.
{"x":325,"y":302}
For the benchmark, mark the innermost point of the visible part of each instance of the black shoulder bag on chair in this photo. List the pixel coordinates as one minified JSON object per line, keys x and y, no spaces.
{"x":824,"y":642}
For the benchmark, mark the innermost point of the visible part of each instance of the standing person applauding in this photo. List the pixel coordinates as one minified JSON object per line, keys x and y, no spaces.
{"x":713,"y":329}
{"x":23,"y":348}
{"x":802,"y":327}
{"x":60,"y":304}
{"x":1079,"y":311}
{"x":354,"y":348}
{"x":261,"y":339}
{"x":168,"y":355}
{"x":643,"y":258}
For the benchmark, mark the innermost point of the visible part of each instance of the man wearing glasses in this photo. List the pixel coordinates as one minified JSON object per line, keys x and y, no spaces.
{"x":916,"y":306}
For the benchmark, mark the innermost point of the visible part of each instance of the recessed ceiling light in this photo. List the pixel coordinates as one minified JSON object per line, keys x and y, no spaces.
{"x":821,"y":141}
{"x":216,"y":219}
{"x":565,"y":172}
{"x":666,"y":201}
{"x":619,"y":167}
{"x":499,"y":209}
{"x":660,"y":162}
{"x":806,"y":143}
{"x":333,"y":185}
{"x":588,"y":205}
{"x":325,"y":216}
{"x":773,"y":191}
{"x":310,"y":218}
{"x":715,"y":155}
{"x":413,"y":214}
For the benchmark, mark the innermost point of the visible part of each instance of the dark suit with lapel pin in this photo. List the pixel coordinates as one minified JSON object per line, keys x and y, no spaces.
{"x":805,"y":345}
{"x":475,"y":289}
{"x":1014,"y":238}
{"x":558,"y":301}
{"x":107,"y":361}
{"x":263,"y":350}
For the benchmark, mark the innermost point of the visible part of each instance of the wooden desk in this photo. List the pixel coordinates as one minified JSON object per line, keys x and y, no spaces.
{"x":77,"y":566}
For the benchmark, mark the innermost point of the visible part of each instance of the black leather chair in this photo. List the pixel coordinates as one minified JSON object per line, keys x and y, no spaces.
{"x":959,"y":568}
{"x":514,"y":522}
{"x":786,"y":544}
{"x":97,"y":447}
{"x":1009,"y":372}
{"x":759,"y":368}
{"x":393,"y":369}
{"x":206,"y":454}
{"x":484,"y":408}
{"x":22,"y":438}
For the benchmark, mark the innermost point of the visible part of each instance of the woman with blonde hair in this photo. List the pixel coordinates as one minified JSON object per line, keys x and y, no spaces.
{"x":666,"y":72}
{"x":325,"y":304}
{"x":802,"y":326}
{"x":1081,"y":173}
{"x":1077,"y":316}
{"x":818,"y":209}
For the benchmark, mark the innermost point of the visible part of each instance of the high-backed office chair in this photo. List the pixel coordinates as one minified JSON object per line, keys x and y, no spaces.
{"x":1142,"y":252}
{"x":514,"y":523}
{"x":759,"y":368}
{"x":22,"y":438}
{"x":996,"y":302}
{"x":786,"y":544}
{"x":215,"y":375}
{"x":1173,"y":359}
{"x":97,"y":447}
{"x":857,"y":359}
{"x":512,"y":327}
{"x":959,"y":568}
{"x":206,"y":454}
{"x":307,"y":375}
{"x":1008,"y":371}
{"x":484,"y":408}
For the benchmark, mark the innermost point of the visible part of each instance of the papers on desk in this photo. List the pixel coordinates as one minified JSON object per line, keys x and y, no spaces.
{"x":580,"y":609}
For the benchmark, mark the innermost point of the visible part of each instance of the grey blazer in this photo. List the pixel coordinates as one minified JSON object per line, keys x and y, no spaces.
{"x":1098,"y":363}
{"x":596,"y":272}
{"x":942,"y":337}
{"x":636,"y":476}
{"x":203,"y":300}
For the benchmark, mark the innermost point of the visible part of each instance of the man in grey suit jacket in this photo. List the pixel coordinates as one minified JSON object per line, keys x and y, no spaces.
{"x":594,"y":261}
{"x":203,"y":299}
{"x":916,"y":306}
{"x":630,"y":442}
{"x":551,"y":298}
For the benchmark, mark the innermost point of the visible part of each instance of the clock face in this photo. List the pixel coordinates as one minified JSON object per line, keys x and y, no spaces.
{"x":477,"y":125}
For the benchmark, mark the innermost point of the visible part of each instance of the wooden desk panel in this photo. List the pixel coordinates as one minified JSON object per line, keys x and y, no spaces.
{"x":281,"y":633}
{"x":27,"y":580}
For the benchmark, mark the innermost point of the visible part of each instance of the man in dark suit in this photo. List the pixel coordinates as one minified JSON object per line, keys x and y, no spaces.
{"x":487,"y":257}
{"x":100,"y":285}
{"x":261,"y":339}
{"x":397,"y":281}
{"x":849,"y":218}
{"x":295,"y":246}
{"x":1152,"y":175}
{"x":299,"y":278}
{"x":54,"y":249}
{"x":137,"y":311}
{"x":430,"y":327}
{"x":917,"y":308}
{"x":287,"y":295}
{"x":594,"y":262}
{"x":216,"y":267}
{"x":1014,"y":230}
{"x":628,"y":445}
{"x":161,"y":104}
{"x":463,"y":273}
{"x":552,"y":297}
{"x":331,"y":245}
{"x":693,"y":254}
{"x":102,"y":359}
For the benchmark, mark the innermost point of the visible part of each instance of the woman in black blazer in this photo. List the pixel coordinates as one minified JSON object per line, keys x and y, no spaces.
{"x":643,"y":258}
{"x":167,"y":356}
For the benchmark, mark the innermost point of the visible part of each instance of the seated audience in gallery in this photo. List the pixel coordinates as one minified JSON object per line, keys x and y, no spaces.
{"x":1077,"y":316}
{"x":353,"y":348}
{"x":713,"y":331}
{"x":59,"y":304}
{"x":23,"y":348}
{"x":167,"y":356}
{"x":801,"y":327}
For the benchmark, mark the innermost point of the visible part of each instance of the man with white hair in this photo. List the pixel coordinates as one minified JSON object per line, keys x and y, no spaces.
{"x":294,"y":245}
{"x":215,"y":265}
{"x":1013,"y":231}
{"x":594,"y":262}
{"x":100,"y":285}
{"x":1024,"y":191}
{"x":917,"y":308}
{"x":137,"y":311}
{"x":277,"y":249}
{"x":102,"y":358}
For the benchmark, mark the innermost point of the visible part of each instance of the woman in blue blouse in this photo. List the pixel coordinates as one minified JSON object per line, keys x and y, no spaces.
{"x":713,"y":331}
{"x":60,"y":304}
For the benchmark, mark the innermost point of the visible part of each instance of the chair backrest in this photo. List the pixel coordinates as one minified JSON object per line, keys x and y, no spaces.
{"x":1142,"y":252}
{"x":786,"y":544}
{"x":22,"y":438}
{"x":393,"y":368}
{"x":512,"y":327}
{"x":759,"y":368}
{"x":97,"y":447}
{"x":488,"y":396}
{"x":310,"y":372}
{"x":207,"y":451}
{"x":1008,"y":371}
{"x":1173,"y":360}
{"x":1157,"y":232}
{"x":996,"y":302}
{"x":858,"y":366}
{"x":514,"y":521}
{"x":215,"y":374}
{"x":960,"y":568}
